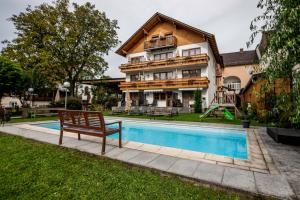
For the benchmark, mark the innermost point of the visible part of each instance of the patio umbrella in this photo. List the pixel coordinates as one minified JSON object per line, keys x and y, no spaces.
{"x":127,"y":101}
{"x":57,"y":96}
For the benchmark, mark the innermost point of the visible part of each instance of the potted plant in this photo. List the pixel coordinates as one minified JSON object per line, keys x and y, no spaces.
{"x":246,"y":121}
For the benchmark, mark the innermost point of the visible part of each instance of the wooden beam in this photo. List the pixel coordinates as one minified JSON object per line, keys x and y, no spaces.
{"x":145,"y":32}
{"x":125,"y":52}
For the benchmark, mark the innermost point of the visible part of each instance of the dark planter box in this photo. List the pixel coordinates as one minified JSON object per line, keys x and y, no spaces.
{"x":246,"y":123}
{"x":285,"y":135}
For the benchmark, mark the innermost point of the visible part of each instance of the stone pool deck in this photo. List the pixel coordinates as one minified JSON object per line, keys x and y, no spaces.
{"x":258,"y":175}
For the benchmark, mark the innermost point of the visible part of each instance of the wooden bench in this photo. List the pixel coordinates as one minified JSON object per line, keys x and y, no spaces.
{"x":87,"y":123}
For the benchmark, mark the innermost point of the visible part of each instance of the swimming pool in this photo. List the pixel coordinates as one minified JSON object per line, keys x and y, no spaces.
{"x":225,"y":142}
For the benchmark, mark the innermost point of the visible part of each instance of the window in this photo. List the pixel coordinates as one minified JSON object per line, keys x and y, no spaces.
{"x":163,"y":75}
{"x":159,"y":96}
{"x":134,"y":77}
{"x":191,"y":73}
{"x":191,"y":52}
{"x":137,"y":59}
{"x":163,"y":56}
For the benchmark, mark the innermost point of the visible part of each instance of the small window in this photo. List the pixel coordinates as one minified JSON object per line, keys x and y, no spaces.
{"x":185,"y":52}
{"x":137,"y":59}
{"x":191,"y":52}
{"x":157,"y":57}
{"x":170,"y":55}
{"x":163,"y":76}
{"x":163,"y":56}
{"x":156,"y":76}
{"x":191,"y":73}
{"x":134,"y":77}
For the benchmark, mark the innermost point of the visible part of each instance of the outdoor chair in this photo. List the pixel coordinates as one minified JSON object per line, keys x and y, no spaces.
{"x":88,"y":123}
{"x":135,"y":111}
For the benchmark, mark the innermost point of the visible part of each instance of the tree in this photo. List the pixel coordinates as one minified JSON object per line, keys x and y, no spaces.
{"x":280,"y":21}
{"x":11,"y":77}
{"x":198,"y":101}
{"x":63,"y":43}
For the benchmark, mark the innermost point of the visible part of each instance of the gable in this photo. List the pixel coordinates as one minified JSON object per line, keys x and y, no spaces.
{"x":186,"y":33}
{"x":183,"y":35}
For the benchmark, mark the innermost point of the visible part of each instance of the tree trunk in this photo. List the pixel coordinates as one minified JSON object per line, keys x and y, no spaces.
{"x":72,"y":87}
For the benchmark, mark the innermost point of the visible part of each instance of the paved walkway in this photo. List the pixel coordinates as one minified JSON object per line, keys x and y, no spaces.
{"x":286,"y":158}
{"x":229,"y":177}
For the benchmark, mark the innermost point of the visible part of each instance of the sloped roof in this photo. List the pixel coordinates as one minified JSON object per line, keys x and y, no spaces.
{"x":239,"y":58}
{"x":157,"y":18}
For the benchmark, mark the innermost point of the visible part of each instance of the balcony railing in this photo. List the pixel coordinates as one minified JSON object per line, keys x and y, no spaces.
{"x":165,"y":42}
{"x":201,"y":59}
{"x":200,"y":82}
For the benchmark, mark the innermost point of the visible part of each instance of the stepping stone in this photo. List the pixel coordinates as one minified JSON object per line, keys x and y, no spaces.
{"x":240,"y":179}
{"x":184,"y":167}
{"x":275,"y":185}
{"x":143,"y":158}
{"x":209,"y":172}
{"x":162,"y":162}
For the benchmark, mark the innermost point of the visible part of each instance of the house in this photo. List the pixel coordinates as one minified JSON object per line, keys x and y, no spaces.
{"x":167,"y":61}
{"x":238,"y":68}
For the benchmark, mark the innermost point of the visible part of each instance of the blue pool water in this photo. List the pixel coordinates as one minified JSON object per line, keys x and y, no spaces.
{"x":225,"y":142}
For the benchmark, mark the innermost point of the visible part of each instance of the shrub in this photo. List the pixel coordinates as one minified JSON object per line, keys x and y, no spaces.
{"x":198,"y":101}
{"x":73,"y":103}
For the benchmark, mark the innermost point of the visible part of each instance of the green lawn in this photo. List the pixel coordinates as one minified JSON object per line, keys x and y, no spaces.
{"x":19,"y":120}
{"x":32,"y":170}
{"x":192,"y":117}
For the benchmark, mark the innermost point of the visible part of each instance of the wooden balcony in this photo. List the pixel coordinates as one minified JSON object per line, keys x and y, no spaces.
{"x":201,"y":59}
{"x":197,"y":82}
{"x":165,"y":42}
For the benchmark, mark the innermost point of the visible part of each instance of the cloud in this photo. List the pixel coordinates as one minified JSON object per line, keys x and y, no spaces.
{"x":229,"y":20}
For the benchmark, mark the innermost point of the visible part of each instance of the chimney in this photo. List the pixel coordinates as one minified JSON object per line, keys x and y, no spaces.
{"x":241,"y":50}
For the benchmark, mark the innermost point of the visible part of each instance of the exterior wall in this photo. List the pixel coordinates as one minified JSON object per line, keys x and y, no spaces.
{"x":242,"y":72}
{"x":211,"y":74}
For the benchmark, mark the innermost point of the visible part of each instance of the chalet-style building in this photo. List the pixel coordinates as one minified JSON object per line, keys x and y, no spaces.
{"x":167,"y":61}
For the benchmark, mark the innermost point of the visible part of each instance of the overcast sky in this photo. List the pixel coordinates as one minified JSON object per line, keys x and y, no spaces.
{"x":228,"y":20}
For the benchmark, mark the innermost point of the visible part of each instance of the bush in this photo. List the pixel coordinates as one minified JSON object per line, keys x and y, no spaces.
{"x":198,"y":101}
{"x":73,"y":103}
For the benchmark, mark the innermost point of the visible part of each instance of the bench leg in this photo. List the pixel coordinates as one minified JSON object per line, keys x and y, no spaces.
{"x":61,"y":136}
{"x":103,"y":145}
{"x":79,"y":138}
{"x":120,"y":138}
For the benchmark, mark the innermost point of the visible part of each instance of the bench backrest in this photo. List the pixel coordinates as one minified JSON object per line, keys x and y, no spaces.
{"x":82,"y":119}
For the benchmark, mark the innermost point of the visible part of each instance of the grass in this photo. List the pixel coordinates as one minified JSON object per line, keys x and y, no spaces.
{"x":19,"y":120}
{"x":191,"y":117}
{"x":32,"y":170}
